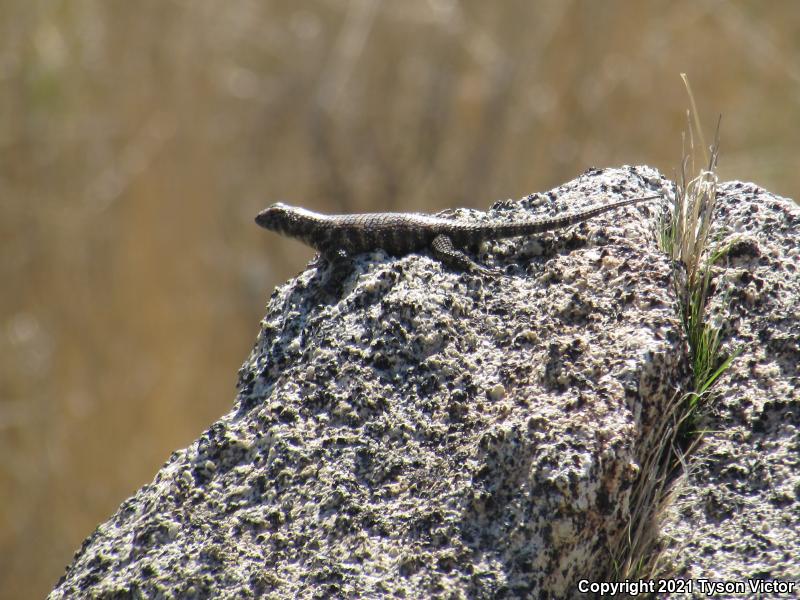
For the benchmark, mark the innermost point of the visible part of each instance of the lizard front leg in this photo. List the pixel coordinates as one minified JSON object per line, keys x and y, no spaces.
{"x":340,"y":266}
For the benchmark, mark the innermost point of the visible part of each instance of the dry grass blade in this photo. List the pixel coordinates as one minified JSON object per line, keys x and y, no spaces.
{"x":693,"y":209}
{"x":658,"y":454}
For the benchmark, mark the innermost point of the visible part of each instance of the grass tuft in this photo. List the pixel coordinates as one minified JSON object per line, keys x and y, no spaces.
{"x":665,"y":451}
{"x":685,"y":238}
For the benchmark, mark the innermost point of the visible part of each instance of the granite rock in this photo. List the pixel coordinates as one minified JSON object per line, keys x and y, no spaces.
{"x":430,"y":433}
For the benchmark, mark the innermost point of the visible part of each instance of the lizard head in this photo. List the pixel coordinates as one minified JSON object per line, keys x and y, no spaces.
{"x":291,"y":221}
{"x":275,"y":217}
{"x":282,"y":218}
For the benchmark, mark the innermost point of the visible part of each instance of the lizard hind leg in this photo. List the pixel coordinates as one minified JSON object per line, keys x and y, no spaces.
{"x":444,"y":250}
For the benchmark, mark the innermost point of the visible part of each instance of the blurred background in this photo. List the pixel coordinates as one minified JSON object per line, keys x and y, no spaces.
{"x":139,"y":139}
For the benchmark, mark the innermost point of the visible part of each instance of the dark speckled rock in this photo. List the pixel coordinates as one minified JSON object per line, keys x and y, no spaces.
{"x":427,"y":434}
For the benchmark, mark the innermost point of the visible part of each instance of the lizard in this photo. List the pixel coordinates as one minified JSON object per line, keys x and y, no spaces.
{"x":339,"y":237}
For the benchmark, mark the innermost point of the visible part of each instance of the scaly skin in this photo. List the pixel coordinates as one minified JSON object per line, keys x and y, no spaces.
{"x":337,"y":237}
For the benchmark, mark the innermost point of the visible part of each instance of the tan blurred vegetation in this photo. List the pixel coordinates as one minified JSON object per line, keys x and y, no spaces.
{"x":139,"y":139}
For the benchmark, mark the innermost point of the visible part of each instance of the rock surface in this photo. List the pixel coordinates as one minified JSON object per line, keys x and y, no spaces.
{"x":430,"y":433}
{"x":738,"y":517}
